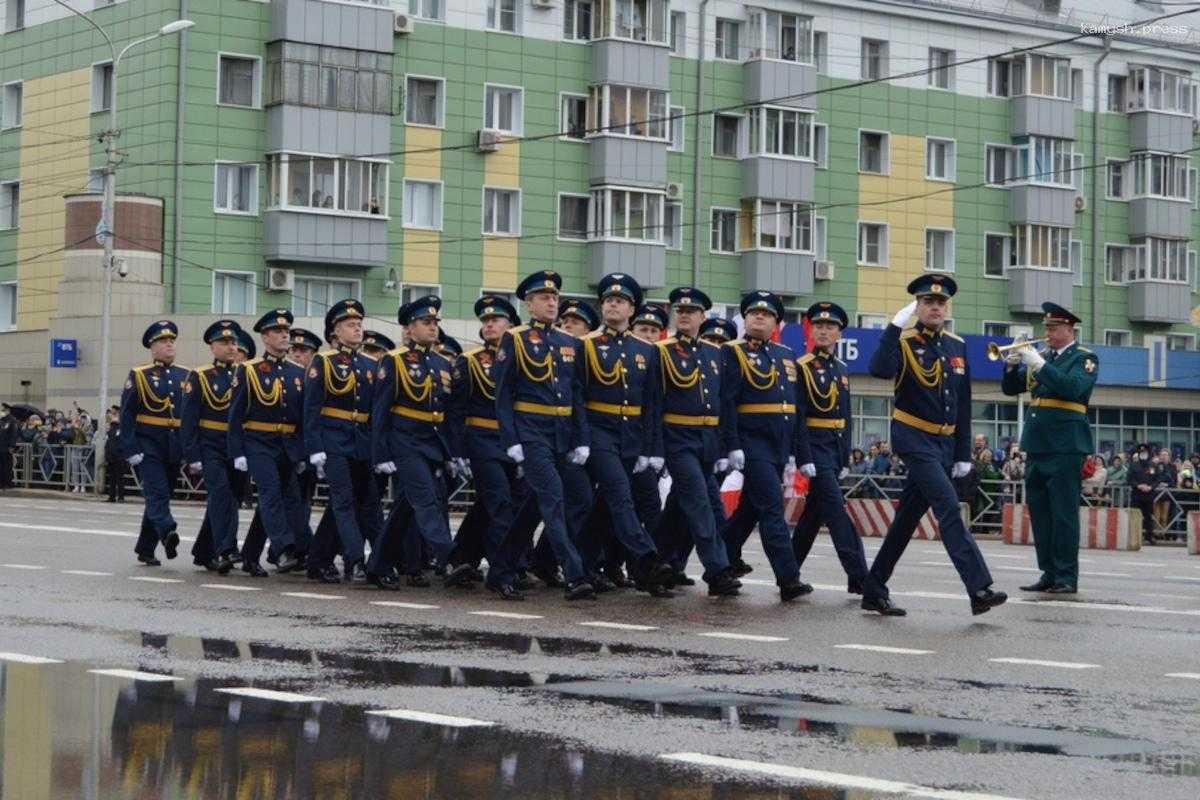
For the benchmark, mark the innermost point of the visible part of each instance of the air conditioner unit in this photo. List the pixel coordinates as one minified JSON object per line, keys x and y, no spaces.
{"x":1080,"y":203}
{"x":823,"y":270}
{"x":402,"y":23}
{"x":674,"y":191}
{"x":543,"y":3}
{"x":281,"y":280}
{"x":487,"y":141}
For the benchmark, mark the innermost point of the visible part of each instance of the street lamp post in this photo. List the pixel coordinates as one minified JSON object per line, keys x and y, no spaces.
{"x":108,"y":211}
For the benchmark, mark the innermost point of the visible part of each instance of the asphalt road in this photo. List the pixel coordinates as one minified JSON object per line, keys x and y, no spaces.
{"x":1093,"y":697}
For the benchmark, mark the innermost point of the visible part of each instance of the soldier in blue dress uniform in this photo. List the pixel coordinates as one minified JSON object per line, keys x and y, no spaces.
{"x":376,"y":345}
{"x":150,"y":407}
{"x":758,"y":420}
{"x":304,"y":345}
{"x":718,"y":330}
{"x":206,"y":396}
{"x":931,"y":431}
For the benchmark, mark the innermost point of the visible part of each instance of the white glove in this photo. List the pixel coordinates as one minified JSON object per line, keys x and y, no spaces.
{"x":321,"y":471}
{"x":135,"y":459}
{"x":452,"y":468}
{"x":580,"y":455}
{"x":385,"y":468}
{"x":1013,"y":357}
{"x":640,"y":465}
{"x":808,"y":470}
{"x":792,"y":462}
{"x":240,"y":464}
{"x":463,"y":466}
{"x":195,"y":466}
{"x":318,"y":461}
{"x":904,"y":315}
{"x":842,"y":475}
{"x":657,"y":463}
{"x":737,"y":459}
{"x":516,"y":453}
{"x":722,"y":465}
{"x":1032,"y":358}
{"x":960,"y":469}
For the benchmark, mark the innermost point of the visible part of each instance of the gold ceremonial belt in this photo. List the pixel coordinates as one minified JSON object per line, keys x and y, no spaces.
{"x":214,"y":425}
{"x":418,"y":414}
{"x":542,"y":408}
{"x":484,"y":422}
{"x":1065,"y":405}
{"x":689,"y":419}
{"x":922,"y":425}
{"x":269,"y":427}
{"x":340,"y":413}
{"x":613,"y":408}
{"x":766,"y":408}
{"x":821,"y":422}
{"x":162,"y":422}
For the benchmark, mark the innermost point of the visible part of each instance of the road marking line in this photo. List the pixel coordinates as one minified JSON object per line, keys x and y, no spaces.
{"x":505,"y":615}
{"x":233,"y":587}
{"x":1181,"y":578}
{"x":1191,"y":676}
{"x":874,"y":648}
{"x":90,"y":531}
{"x":823,"y":778}
{"x":1005,"y":555}
{"x":1037,"y":662}
{"x":148,"y":579}
{"x":1167,"y":596}
{"x":1020,"y":569}
{"x":620,"y":626}
{"x":134,"y":675}
{"x":23,"y":566}
{"x":744,"y":637}
{"x":21,"y":658}
{"x":86,"y":572}
{"x":398,"y":604}
{"x":1105,"y":574}
{"x":432,"y":719}
{"x":314,"y":595}
{"x":931,"y":595}
{"x":1106,"y":607}
{"x":271,"y":694}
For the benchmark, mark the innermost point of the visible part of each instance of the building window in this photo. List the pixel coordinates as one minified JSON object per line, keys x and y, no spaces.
{"x":320,"y":183}
{"x":779,"y":225}
{"x":995,"y":330}
{"x":673,"y":225}
{"x":781,"y":132}
{"x":637,"y":20}
{"x":573,"y":116}
{"x":1165,"y":260}
{"x":1117,"y":188}
{"x":236,"y":190}
{"x":874,"y":59}
{"x":8,"y":306}
{"x":573,"y":216}
{"x":821,"y":145}
{"x":1176,"y":341}
{"x":502,"y":15}
{"x":426,"y":9}
{"x":678,"y":38}
{"x":939,"y":159}
{"x":10,"y":205}
{"x":102,"y":86}
{"x":423,"y":204}
{"x":1001,"y":166}
{"x":10,"y":114}
{"x":501,"y":211}
{"x":1154,"y":89}
{"x":312,"y":297}
{"x":677,"y":129}
{"x":577,"y":20}
{"x":1163,"y":176}
{"x":1116,"y":93}
{"x":502,"y":109}
{"x":238,"y":79}
{"x":1076,"y":262}
{"x":1122,"y":262}
{"x":821,"y":51}
{"x":628,"y":111}
{"x":726,"y":128}
{"x":15,"y":18}
{"x":329,"y":77}
{"x":727,"y":39}
{"x":1048,"y":76}
{"x":1077,"y":173}
{"x":414,"y":291}
{"x":786,"y":37}
{"x":1045,"y":246}
{"x":424,"y":101}
{"x":820,"y":238}
{"x":1193,"y":278}
{"x":1041,"y":159}
{"x":872,"y":244}
{"x":724,"y":230}
{"x":1193,"y":176}
{"x":939,"y":250}
{"x":1118,"y":338}
{"x":941,"y":69}
{"x":999,"y":253}
{"x":873,"y":152}
{"x":871,"y":321}
{"x":234,"y":293}
{"x":626,"y":214}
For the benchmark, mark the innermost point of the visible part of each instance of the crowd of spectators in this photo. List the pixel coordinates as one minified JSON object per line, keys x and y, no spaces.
{"x":48,"y":439}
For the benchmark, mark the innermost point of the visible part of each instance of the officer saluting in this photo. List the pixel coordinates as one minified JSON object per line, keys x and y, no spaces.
{"x":150,"y":407}
{"x":1056,"y":438}
{"x":931,"y":431}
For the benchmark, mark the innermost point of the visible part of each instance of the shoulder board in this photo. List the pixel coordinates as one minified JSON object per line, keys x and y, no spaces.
{"x":953,"y":336}
{"x":670,"y":340}
{"x":473,"y":351}
{"x":734,"y":343}
{"x":593,"y":334}
{"x":517,"y":329}
{"x":328,"y":352}
{"x":399,"y":351}
{"x":142,"y":367}
{"x":250,"y":362}
{"x":909,"y":333}
{"x":1085,"y":350}
{"x":804,"y":359}
{"x":294,"y":363}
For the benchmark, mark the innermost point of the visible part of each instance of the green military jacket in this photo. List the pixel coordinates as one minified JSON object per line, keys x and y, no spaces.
{"x":1067,"y":379}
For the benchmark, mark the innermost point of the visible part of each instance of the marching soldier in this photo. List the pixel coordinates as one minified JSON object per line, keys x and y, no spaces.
{"x":823,"y":445}
{"x":337,"y":437}
{"x":206,"y":396}
{"x":304,"y":346}
{"x":265,"y":416}
{"x":931,"y":431}
{"x":1056,"y":439}
{"x":758,"y":420}
{"x":150,"y":406}
{"x":691,"y":418}
{"x":543,"y":425}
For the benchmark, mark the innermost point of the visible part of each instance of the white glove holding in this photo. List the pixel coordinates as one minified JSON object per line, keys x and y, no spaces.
{"x":792,"y":462}
{"x":842,"y":475}
{"x":808,"y":470}
{"x":317,"y":460}
{"x":737,"y":459}
{"x":385,"y":468}
{"x":463,"y":466}
{"x":722,"y":465}
{"x":580,"y":455}
{"x":640,"y":465}
{"x":657,"y":463}
{"x":904,"y":315}
{"x":240,"y":464}
{"x":1032,"y":358}
{"x":960,"y":469}
{"x":320,"y":472}
{"x":135,"y":459}
{"x":195,"y":466}
{"x":1013,"y":357}
{"x":516,"y":453}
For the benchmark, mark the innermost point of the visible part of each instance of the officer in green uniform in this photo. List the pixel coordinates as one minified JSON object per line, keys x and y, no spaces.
{"x":1056,"y":439}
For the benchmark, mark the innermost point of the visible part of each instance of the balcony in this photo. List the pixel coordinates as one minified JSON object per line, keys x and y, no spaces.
{"x":767,"y":81}
{"x":645,"y":261}
{"x":1043,"y":116}
{"x":1160,"y":218}
{"x":1161,"y":131}
{"x":782,"y":273}
{"x":325,"y":238}
{"x":300,"y":129}
{"x":627,"y":63}
{"x":359,"y":26}
{"x":778,"y":178}
{"x":1029,"y":287}
{"x":628,"y":161}
{"x":1041,"y":205}
{"x":1163,"y":302}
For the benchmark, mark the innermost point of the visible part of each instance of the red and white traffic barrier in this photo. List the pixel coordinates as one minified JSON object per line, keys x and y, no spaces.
{"x":1193,"y":533}
{"x":1100,"y":528}
{"x":872,"y":517}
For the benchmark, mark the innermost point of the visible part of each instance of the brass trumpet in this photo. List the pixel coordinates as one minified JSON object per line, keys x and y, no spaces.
{"x":995,"y":352}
